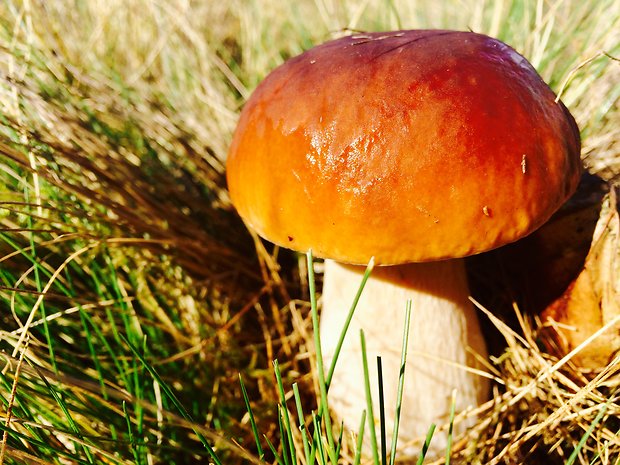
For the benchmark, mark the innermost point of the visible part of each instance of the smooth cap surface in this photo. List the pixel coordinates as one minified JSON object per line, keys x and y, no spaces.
{"x":407,"y":146}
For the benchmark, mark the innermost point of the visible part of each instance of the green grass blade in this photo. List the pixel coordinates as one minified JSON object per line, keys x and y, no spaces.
{"x":287,"y":421}
{"x":582,"y":441}
{"x":401,"y":381}
{"x":319,"y":357}
{"x":345,"y":328}
{"x":360,"y":440}
{"x":451,"y":428}
{"x":615,"y":439}
{"x":134,"y":447}
{"x":315,"y":440}
{"x":40,"y":286}
{"x":319,"y":443}
{"x":274,"y":451}
{"x":63,"y":406}
{"x":284,"y":435}
{"x":118,"y":364}
{"x":302,"y":423}
{"x":42,"y":445}
{"x":371,"y":417}
{"x":427,"y":443}
{"x":311,"y":284}
{"x":93,"y":354}
{"x":339,"y":442}
{"x":382,"y":412}
{"x":166,"y":389}
{"x":246,"y":399}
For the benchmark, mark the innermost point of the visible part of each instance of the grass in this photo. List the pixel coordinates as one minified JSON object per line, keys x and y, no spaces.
{"x":132,"y":297}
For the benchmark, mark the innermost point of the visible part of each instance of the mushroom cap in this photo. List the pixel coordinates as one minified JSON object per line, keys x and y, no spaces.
{"x":408,"y":146}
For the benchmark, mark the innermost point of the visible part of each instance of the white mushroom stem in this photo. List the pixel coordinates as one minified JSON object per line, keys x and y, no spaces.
{"x":443,"y":338}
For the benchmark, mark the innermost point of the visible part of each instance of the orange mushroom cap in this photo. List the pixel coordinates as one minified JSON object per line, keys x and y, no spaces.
{"x":408,"y":146}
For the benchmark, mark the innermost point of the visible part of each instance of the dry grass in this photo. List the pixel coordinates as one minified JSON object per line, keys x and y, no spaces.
{"x":115,"y":117}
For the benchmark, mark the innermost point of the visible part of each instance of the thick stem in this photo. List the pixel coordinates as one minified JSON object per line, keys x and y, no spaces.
{"x":444,"y":334}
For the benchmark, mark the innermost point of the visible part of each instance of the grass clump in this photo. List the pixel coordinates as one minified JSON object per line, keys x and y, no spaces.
{"x":132,"y":297}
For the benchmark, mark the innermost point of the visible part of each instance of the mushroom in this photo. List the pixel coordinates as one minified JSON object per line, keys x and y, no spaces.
{"x":586,"y":317}
{"x":416,"y":148}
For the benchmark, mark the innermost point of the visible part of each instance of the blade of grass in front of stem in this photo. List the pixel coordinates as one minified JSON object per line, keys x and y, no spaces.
{"x":246,"y":399}
{"x":360,"y":440}
{"x":347,"y":322}
{"x":302,"y":424}
{"x":451,"y":428}
{"x":287,"y":419}
{"x":343,"y":332}
{"x":166,"y":389}
{"x":319,"y":358}
{"x":401,"y":382}
{"x":427,"y":443}
{"x":573,"y":456}
{"x":381,"y":412}
{"x":371,"y":417}
{"x":65,"y":410}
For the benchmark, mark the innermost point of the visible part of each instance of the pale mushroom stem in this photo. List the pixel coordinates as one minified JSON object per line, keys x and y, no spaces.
{"x":443,"y":337}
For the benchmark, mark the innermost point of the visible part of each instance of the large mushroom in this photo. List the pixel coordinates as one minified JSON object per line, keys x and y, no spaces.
{"x":416,"y":148}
